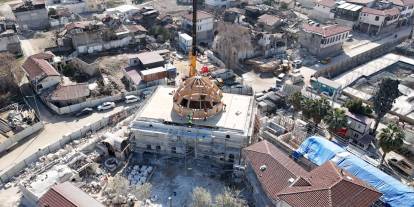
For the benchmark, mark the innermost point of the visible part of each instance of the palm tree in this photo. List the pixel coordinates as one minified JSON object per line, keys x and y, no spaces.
{"x":336,"y":119}
{"x":321,"y":108}
{"x":295,"y":100}
{"x":390,"y":138}
{"x":307,"y":107}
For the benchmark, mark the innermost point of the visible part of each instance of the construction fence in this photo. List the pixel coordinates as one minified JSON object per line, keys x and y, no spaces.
{"x":5,"y":176}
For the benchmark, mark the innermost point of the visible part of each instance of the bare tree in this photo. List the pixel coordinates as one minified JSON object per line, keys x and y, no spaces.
{"x":201,"y":197}
{"x":117,"y":186}
{"x":142,"y":192}
{"x":229,"y":198}
{"x":9,"y":72}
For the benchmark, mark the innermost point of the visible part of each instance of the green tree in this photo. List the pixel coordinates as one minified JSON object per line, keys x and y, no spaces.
{"x":384,"y":98}
{"x":201,"y":197}
{"x":307,"y":108}
{"x":336,"y":119}
{"x":295,"y":100}
{"x":391,"y":138}
{"x":357,"y":107}
{"x":320,"y":109}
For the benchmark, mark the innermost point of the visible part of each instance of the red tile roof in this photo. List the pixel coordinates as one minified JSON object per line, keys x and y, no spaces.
{"x":386,"y":12}
{"x":67,"y":195}
{"x":36,"y":65}
{"x":200,"y":15}
{"x":70,"y":92}
{"x":326,"y":31}
{"x":327,"y":3}
{"x":324,"y":186}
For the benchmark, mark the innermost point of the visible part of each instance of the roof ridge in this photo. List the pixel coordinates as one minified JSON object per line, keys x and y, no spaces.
{"x":310,"y":189}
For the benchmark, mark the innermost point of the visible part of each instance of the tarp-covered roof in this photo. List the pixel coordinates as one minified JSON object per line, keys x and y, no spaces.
{"x":318,"y":150}
{"x":394,"y":192}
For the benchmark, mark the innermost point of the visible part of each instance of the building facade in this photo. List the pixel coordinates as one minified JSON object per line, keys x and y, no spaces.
{"x":375,"y":21}
{"x":9,"y":40}
{"x":205,"y":26}
{"x":324,"y":41}
{"x":31,"y":15}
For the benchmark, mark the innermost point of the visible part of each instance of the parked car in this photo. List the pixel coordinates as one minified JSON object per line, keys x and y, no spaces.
{"x":84,"y":112}
{"x":106,"y":106}
{"x":131,"y":99}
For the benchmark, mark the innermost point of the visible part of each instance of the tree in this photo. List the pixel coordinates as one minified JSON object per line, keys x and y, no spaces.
{"x":142,"y":192}
{"x":320,"y":109}
{"x":357,"y":107}
{"x":307,"y":107}
{"x":118,"y":187}
{"x":336,"y":119}
{"x":229,"y":198}
{"x":201,"y":197}
{"x":391,"y":138}
{"x":384,"y":98}
{"x":296,"y":101}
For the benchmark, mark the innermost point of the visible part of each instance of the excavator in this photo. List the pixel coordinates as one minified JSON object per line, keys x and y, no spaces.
{"x":193,"y":53}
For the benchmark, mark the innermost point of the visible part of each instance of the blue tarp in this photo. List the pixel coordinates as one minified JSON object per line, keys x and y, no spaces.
{"x":394,"y":192}
{"x":318,"y":150}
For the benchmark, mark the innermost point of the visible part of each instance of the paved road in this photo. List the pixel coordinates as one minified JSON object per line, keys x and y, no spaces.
{"x":55,"y":127}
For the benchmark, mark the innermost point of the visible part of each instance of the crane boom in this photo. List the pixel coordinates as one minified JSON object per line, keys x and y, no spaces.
{"x":193,"y":53}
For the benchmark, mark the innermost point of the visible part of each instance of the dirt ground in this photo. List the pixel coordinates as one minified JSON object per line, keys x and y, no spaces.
{"x":172,"y":178}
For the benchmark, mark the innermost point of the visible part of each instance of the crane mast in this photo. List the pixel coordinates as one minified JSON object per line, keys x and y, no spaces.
{"x":193,"y":53}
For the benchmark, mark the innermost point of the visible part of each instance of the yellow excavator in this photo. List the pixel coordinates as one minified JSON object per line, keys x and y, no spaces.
{"x":193,"y":53}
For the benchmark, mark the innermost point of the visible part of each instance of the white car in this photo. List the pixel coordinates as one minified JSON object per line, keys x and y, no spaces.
{"x":106,"y":106}
{"x":131,"y":99}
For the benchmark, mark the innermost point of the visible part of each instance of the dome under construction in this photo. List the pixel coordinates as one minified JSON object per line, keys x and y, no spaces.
{"x":198,"y":97}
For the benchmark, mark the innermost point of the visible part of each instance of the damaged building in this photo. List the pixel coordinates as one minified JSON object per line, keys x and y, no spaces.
{"x":9,"y":39}
{"x":31,"y":15}
{"x":196,"y":120}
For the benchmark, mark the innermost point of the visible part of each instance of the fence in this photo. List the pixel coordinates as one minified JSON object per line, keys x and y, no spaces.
{"x":19,"y":136}
{"x":84,"y":131}
{"x":93,"y":102}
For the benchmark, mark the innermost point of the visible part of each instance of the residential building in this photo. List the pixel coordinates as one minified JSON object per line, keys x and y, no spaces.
{"x":277,"y":180}
{"x":323,"y":41}
{"x":217,"y":4}
{"x":406,"y":8}
{"x":269,"y":22}
{"x":9,"y":39}
{"x":324,"y":10}
{"x":65,"y":95}
{"x":31,"y":15}
{"x":146,"y":60}
{"x":205,"y":26}
{"x":375,"y":21}
{"x":40,"y":72}
{"x":358,"y":125}
{"x":68,"y":195}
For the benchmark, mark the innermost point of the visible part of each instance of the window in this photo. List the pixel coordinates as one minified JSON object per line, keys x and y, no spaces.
{"x":376,"y":18}
{"x":174,"y":150}
{"x":227,"y":136}
{"x":158,"y":147}
{"x":149,"y":146}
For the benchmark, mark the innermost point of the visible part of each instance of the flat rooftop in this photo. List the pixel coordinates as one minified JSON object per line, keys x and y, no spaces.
{"x":237,"y":116}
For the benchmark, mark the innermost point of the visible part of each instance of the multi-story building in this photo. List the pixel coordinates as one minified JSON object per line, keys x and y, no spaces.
{"x":323,"y":41}
{"x":205,"y":26}
{"x":279,"y":181}
{"x":375,"y":21}
{"x":406,"y":8}
{"x":31,"y":15}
